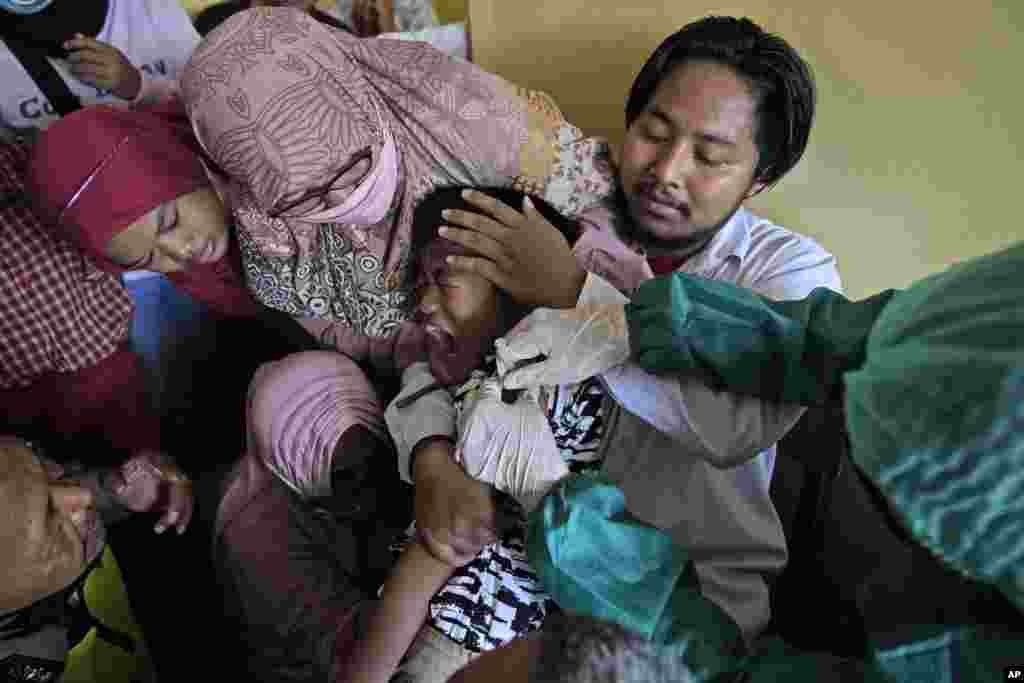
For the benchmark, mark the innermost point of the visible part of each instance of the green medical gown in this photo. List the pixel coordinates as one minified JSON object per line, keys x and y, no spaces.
{"x":932,"y":380}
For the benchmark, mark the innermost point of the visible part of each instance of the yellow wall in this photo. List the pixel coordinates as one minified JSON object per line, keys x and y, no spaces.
{"x":915,"y":159}
{"x":450,"y":11}
{"x":196,"y":6}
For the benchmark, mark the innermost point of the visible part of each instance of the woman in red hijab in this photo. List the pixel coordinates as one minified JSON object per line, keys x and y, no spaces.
{"x":130,"y":190}
{"x":66,"y":374}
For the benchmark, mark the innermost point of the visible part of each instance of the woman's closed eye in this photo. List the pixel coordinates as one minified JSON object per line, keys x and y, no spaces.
{"x":165,"y":218}
{"x":304,"y":204}
{"x":338,"y":187}
{"x":142,"y":263}
{"x":168,"y":218}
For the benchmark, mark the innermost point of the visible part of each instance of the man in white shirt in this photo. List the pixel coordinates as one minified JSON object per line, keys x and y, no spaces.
{"x":721,"y":111}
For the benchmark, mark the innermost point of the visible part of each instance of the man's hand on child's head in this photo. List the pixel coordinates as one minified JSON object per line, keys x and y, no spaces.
{"x":456,"y":515}
{"x":521,"y":252}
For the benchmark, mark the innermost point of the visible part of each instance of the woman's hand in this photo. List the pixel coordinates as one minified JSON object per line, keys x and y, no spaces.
{"x":151,"y":482}
{"x":103,"y":66}
{"x":521,"y":253}
{"x":455,"y":514}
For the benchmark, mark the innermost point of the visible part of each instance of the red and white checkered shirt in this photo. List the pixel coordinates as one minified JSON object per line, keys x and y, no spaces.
{"x":58,"y":312}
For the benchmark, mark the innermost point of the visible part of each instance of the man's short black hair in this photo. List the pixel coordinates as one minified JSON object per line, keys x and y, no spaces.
{"x":781,"y":80}
{"x":427,"y":215}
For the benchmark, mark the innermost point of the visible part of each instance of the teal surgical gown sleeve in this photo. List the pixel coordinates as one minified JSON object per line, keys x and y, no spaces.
{"x":789,"y":351}
{"x":595,"y":558}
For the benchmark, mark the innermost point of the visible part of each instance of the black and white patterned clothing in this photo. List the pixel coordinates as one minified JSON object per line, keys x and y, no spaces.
{"x":497,"y":597}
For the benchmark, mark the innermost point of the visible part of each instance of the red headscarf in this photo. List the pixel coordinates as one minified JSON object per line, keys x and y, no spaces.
{"x":98,"y":170}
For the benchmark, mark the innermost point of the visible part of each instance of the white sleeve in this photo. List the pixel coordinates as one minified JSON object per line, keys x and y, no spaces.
{"x":719,"y":427}
{"x":450,"y":38}
{"x":414,"y":15}
{"x":410,"y":420}
{"x":181,"y":37}
{"x":722,"y":428}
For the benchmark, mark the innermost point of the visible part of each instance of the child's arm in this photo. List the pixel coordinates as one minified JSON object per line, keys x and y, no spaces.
{"x":455,"y":514}
{"x":422,"y":410}
{"x":398,"y":616}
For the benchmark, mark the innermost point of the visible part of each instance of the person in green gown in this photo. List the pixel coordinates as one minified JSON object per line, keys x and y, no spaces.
{"x":930,"y":380}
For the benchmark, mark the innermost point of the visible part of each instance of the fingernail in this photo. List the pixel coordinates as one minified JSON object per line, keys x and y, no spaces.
{"x":450,"y":260}
{"x":443,"y":232}
{"x":467,"y":194}
{"x":159,"y":528}
{"x":527,"y":202}
{"x":446,"y":214}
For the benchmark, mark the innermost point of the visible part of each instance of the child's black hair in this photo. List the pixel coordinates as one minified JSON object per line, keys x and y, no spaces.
{"x":427,"y":216}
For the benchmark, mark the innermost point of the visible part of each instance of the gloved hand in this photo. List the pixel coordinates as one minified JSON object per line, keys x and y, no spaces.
{"x":510,"y":447}
{"x":151,"y":482}
{"x":577,"y":342}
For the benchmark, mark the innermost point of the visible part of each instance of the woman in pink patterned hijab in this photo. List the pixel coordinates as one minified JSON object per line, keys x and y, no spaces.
{"x":330,"y":140}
